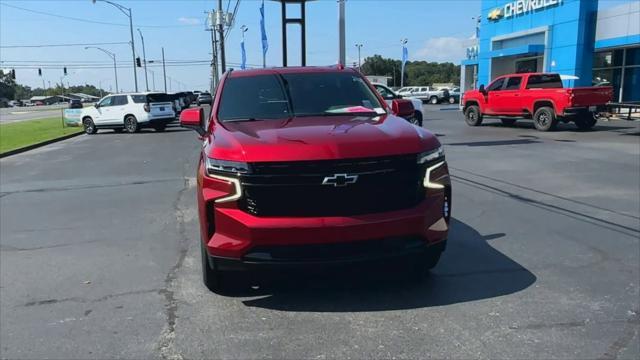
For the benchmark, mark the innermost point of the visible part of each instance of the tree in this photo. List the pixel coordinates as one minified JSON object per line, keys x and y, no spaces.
{"x":7,"y":86}
{"x":416,"y":72}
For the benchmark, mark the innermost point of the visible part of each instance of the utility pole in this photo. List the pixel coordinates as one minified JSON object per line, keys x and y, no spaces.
{"x":164,"y":71}
{"x":359,"y":46}
{"x":144,"y":55}
{"x":212,"y":16}
{"x":341,"y":33}
{"x":220,"y":17}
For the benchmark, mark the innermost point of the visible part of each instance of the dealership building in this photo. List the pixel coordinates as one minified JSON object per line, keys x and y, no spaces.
{"x":570,"y":37}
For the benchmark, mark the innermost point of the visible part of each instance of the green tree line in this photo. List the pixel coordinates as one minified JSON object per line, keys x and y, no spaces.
{"x":11,"y":90}
{"x":415,"y":72}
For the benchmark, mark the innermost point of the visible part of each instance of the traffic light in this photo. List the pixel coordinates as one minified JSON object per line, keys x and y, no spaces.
{"x":39,"y":72}
{"x":13,"y":74}
{"x":138,"y":64}
{"x":65,"y":71}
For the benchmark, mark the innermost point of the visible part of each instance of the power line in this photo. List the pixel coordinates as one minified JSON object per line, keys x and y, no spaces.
{"x":91,"y":21}
{"x":58,"y":45}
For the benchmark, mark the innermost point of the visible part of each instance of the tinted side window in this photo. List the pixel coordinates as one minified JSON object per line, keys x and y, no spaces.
{"x":120,"y":100}
{"x":138,"y":99}
{"x":551,"y":81}
{"x":513,"y":83}
{"x":496,"y":85}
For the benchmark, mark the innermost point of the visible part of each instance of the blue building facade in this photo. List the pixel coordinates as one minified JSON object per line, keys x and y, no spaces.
{"x":569,"y":37}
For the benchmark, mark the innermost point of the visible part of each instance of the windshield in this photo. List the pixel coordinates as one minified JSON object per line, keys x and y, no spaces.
{"x":277,"y":96}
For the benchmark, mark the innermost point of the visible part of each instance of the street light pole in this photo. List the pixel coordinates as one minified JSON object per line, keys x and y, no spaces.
{"x":359,"y":46}
{"x":341,"y":33}
{"x":113,"y":57}
{"x":127,"y":12}
{"x":164,"y":71}
{"x":144,"y":55}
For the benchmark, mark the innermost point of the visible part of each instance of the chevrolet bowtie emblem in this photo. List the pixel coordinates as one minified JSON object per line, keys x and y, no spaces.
{"x":495,"y":14}
{"x":340,"y":180}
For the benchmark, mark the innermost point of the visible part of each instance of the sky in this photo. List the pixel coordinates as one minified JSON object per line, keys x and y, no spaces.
{"x":436,"y":31}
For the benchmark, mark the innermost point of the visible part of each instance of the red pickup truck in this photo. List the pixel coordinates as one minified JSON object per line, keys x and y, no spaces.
{"x":536,"y":96}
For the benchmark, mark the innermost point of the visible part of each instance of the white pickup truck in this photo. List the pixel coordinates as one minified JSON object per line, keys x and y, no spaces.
{"x":427,"y":93}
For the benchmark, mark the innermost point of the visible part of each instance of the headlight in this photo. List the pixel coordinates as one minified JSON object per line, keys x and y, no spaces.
{"x":224,"y":166}
{"x":429,"y":156}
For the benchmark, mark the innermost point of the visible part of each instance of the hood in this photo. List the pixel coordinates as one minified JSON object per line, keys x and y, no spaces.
{"x":317,"y":138}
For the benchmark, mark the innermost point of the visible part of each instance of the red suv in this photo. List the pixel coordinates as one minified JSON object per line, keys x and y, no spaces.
{"x":310,"y":166}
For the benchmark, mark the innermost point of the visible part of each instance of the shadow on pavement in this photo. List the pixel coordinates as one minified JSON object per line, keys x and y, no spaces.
{"x":570,"y":127}
{"x":470,"y":269}
{"x":496,"y":143}
{"x":141,"y":131}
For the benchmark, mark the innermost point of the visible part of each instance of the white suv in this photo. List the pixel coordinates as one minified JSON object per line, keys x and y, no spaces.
{"x":129,"y":112}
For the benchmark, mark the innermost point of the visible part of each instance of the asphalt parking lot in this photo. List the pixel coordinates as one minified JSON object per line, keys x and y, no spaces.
{"x":99,"y":257}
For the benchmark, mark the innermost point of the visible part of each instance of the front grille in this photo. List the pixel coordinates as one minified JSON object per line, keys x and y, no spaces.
{"x":295,"y":188}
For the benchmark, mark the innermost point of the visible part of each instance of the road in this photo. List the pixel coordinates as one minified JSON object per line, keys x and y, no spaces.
{"x":8,"y":115}
{"x":99,"y":257}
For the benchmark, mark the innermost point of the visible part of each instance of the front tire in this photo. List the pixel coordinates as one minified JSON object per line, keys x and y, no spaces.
{"x":160,"y":127}
{"x":545,"y":119}
{"x":433,"y":100}
{"x":452,"y":100}
{"x":417,"y":118}
{"x":210,"y":275}
{"x":131,"y":124}
{"x":425,"y":263}
{"x":89,"y":126}
{"x":472,"y":116}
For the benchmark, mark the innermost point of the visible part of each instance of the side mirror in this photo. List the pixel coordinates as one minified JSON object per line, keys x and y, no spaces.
{"x":96,"y":105}
{"x":481,"y":89}
{"x":402,"y":107}
{"x":193,"y":119}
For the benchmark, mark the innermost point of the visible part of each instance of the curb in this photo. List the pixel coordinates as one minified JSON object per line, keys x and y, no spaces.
{"x":37,"y":145}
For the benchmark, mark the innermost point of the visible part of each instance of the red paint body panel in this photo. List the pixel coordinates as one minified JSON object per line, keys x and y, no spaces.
{"x":305,"y":139}
{"x":523,"y":100}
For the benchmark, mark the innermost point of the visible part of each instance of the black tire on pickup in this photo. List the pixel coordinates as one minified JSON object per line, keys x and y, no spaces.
{"x":433,"y":100}
{"x":508,"y":121}
{"x":211,"y":277}
{"x":586,"y":122}
{"x":545,"y":119}
{"x":417,"y":118}
{"x":473,"y":116}
{"x":425,"y":263}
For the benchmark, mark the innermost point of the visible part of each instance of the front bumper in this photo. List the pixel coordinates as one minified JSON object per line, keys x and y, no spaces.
{"x":231,"y":233}
{"x":405,"y":249}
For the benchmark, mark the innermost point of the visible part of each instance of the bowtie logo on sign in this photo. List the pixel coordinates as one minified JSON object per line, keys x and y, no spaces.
{"x":520,"y":7}
{"x":495,"y":14}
